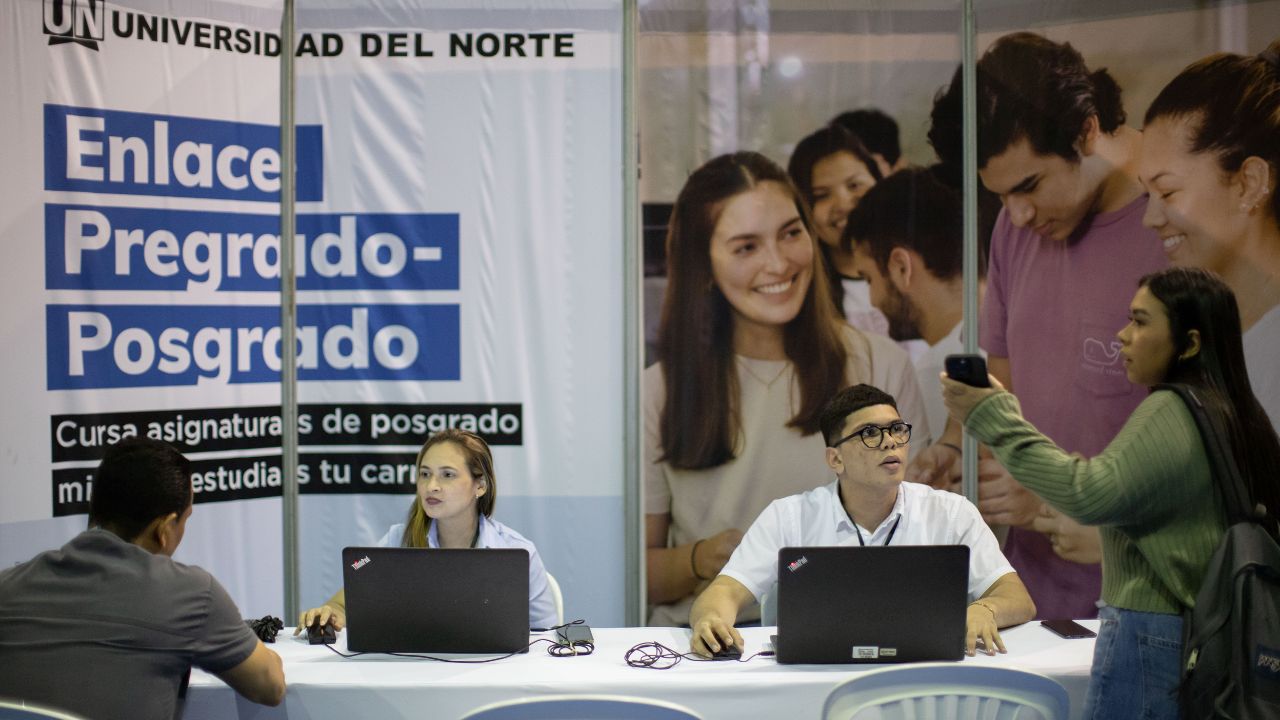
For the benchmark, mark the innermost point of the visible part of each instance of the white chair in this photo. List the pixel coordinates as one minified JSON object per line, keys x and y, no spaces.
{"x":582,"y":707}
{"x":22,"y":710}
{"x":941,"y":691}
{"x":556,"y":597}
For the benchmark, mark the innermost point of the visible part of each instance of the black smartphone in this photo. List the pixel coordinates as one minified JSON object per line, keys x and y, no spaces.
{"x":968,"y":369}
{"x":1068,"y":629}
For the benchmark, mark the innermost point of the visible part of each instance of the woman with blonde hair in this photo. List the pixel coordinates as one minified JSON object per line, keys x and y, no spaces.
{"x":453,"y":508}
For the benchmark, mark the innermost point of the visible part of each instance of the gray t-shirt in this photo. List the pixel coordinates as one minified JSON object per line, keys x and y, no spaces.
{"x":103,"y":628}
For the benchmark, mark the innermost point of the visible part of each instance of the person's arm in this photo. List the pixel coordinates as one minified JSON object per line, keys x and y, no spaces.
{"x":260,"y":678}
{"x":999,"y":368}
{"x":939,"y":464}
{"x":1140,"y":475}
{"x":1069,"y":539}
{"x":1005,"y":603}
{"x":334,"y":609}
{"x":714,"y":614}
{"x":670,"y":570}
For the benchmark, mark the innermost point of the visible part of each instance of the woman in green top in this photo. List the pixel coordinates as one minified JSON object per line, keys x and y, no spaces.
{"x":1151,"y":491}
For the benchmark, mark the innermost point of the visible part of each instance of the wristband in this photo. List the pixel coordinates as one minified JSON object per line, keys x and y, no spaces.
{"x":986,"y":607}
{"x":693,"y":563}
{"x":953,"y":446}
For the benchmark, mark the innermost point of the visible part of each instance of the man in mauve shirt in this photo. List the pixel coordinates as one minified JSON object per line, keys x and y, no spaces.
{"x":1066,"y":255}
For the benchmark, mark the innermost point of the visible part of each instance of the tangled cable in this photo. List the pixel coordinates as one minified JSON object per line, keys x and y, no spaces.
{"x":656,"y":656}
{"x":266,"y":627}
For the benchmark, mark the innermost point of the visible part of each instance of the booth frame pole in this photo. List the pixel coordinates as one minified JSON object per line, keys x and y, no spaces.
{"x":288,"y":320}
{"x":633,"y":340}
{"x":968,"y":72}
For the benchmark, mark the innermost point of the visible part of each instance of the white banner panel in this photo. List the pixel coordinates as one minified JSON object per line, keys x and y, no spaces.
{"x":489,"y":139}
{"x":458,"y":252}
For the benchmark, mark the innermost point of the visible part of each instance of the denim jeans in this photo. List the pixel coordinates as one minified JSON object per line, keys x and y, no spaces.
{"x":1137,"y":663}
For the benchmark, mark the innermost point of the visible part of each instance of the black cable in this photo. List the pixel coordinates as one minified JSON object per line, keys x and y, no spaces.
{"x":557,"y":648}
{"x":558,"y":627}
{"x":656,"y":656}
{"x":445,"y":660}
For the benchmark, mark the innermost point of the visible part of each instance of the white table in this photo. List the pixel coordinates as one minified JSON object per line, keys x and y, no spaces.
{"x":324,"y":685}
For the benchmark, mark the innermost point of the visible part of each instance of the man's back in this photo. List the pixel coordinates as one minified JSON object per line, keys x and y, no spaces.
{"x":106,"y":629}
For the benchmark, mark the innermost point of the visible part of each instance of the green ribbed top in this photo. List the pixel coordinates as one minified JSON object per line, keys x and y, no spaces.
{"x":1150,"y":492}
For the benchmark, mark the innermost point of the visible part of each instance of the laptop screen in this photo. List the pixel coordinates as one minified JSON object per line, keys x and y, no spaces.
{"x":419,"y":600}
{"x":872,"y":604}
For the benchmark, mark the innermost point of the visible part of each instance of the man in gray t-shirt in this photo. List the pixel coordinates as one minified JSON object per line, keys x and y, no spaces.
{"x":109,"y":625}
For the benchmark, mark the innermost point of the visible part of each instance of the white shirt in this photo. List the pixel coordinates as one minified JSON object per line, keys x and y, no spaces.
{"x":816,"y":518}
{"x":493,"y":534}
{"x":928,"y":366}
{"x":1262,"y":361}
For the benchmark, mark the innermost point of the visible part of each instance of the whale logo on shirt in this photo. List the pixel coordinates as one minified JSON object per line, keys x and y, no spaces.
{"x":1098,"y":353}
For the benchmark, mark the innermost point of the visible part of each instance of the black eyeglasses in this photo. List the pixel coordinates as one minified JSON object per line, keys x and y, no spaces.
{"x":873,"y":435}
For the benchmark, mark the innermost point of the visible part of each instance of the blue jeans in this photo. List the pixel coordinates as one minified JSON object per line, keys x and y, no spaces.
{"x":1137,"y":664}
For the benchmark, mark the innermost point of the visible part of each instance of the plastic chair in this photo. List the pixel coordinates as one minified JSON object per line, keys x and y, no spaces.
{"x":556,"y":597}
{"x":947,"y":690}
{"x":582,"y":707}
{"x":22,"y":710}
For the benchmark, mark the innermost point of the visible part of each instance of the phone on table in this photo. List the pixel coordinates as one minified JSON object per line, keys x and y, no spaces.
{"x":968,"y":369}
{"x":1068,"y":629}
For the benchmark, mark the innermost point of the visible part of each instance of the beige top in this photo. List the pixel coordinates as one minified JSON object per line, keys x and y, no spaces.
{"x":773,"y":460}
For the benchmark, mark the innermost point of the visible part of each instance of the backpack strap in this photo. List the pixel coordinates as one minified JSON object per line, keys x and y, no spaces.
{"x":1235,"y":494}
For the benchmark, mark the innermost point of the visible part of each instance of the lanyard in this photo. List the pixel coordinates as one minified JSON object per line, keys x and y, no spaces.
{"x":887,"y":540}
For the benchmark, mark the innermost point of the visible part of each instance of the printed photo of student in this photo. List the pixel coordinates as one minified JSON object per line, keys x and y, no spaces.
{"x":751,"y":348}
{"x":1210,"y":159}
{"x":453,"y":508}
{"x":832,"y":169}
{"x":1066,"y":250}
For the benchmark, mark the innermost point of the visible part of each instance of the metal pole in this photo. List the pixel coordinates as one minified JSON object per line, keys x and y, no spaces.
{"x":288,"y":321}
{"x":632,"y":329}
{"x":969,"y":75}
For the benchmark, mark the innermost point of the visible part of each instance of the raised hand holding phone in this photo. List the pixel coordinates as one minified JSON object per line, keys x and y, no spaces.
{"x":968,"y":369}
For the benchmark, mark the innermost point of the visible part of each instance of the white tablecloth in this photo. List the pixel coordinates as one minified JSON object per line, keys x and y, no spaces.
{"x":324,"y":685}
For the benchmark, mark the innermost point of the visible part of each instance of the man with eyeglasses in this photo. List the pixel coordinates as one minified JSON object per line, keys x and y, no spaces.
{"x":867,"y":504}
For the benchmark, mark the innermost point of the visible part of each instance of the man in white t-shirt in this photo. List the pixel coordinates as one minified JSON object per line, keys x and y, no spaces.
{"x":868,"y":504}
{"x":907,"y":240}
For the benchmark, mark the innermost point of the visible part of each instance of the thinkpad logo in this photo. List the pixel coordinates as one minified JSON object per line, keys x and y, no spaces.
{"x":360,"y":563}
{"x":83,"y":22}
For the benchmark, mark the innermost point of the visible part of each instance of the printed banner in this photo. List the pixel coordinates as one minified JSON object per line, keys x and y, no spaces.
{"x":458,"y":252}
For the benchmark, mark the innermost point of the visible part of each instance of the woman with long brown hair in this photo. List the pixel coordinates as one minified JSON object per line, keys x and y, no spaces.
{"x":750,"y":348}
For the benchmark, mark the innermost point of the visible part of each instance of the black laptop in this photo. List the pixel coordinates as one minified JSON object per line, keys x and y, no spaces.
{"x":871,"y":604}
{"x":414,"y":600}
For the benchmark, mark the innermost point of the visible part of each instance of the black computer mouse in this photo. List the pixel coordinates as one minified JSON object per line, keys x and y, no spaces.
{"x":727,"y":652}
{"x":322,"y":634}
